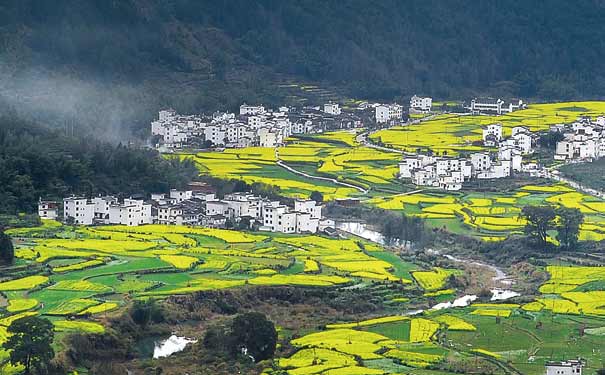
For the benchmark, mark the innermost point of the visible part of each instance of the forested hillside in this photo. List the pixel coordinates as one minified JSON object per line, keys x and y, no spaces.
{"x":119,"y":61}
{"x":37,"y":162}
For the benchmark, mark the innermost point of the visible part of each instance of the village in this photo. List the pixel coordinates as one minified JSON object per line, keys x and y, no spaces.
{"x":198,"y":206}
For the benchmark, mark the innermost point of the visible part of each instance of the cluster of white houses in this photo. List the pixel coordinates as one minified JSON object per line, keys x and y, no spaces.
{"x":259,"y":126}
{"x":450,"y":173}
{"x":253,"y":126}
{"x":583,"y":140}
{"x":188,"y":207}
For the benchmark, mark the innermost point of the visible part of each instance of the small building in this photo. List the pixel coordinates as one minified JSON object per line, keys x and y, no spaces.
{"x":388,"y":113}
{"x":492,"y":135}
{"x":48,"y":210}
{"x":421,"y":104}
{"x":308,"y":206}
{"x":246,"y":109}
{"x":78,"y":209}
{"x":332,"y":109}
{"x":481,"y":161}
{"x":571,"y":367}
{"x":180,"y":195}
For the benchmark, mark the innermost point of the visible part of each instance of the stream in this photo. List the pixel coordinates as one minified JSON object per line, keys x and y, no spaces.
{"x":361,"y":230}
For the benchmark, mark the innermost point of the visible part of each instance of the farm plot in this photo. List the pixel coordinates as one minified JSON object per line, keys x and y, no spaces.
{"x":492,"y":216}
{"x":158,"y":261}
{"x":334,"y":155}
{"x":383,"y":344}
{"x":450,"y":134}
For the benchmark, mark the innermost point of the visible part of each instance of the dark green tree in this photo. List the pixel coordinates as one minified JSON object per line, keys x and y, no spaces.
{"x":30,"y":344}
{"x":550,"y":139}
{"x":145,"y":312}
{"x":540,"y":219}
{"x":317,"y":196}
{"x":568,"y":226}
{"x":7,"y":252}
{"x":255,"y":333}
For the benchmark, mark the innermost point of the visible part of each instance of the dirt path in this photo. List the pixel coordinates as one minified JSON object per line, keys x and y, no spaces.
{"x":333,"y":180}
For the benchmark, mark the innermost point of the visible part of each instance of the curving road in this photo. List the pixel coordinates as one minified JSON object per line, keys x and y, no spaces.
{"x":333,"y":180}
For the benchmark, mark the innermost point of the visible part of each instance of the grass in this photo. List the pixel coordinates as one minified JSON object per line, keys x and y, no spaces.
{"x":396,"y":330}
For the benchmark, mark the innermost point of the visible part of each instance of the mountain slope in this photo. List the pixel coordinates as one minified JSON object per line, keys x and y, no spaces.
{"x":206,"y":55}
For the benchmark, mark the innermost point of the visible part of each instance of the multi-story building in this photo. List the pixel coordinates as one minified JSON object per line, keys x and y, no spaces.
{"x":388,"y":113}
{"x":48,"y":210}
{"x":421,"y":104}
{"x":78,"y":209}
{"x":332,"y":109}
{"x":132,"y":212}
{"x":102,"y":208}
{"x":492,"y":135}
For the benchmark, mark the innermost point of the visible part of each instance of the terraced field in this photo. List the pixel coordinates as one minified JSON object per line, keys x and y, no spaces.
{"x":89,"y":271}
{"x":501,"y":335}
{"x":333,"y":155}
{"x":453,"y":134}
{"x":493,"y":216}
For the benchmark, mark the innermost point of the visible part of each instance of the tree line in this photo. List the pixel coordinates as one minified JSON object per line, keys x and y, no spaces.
{"x":38,"y":162}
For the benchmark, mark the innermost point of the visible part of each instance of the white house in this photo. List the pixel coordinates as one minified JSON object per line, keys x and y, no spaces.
{"x":308,"y":206}
{"x":131,"y":212}
{"x":500,"y":169}
{"x":79,"y":209}
{"x":102,"y":207}
{"x":524,"y":142}
{"x":217,"y":208}
{"x":48,"y":210}
{"x":492,"y":134}
{"x":180,"y":195}
{"x":306,"y":223}
{"x":388,"y":113}
{"x":215,"y":134}
{"x":494,"y":106}
{"x":245,"y":109}
{"x":170,"y":215}
{"x":332,"y":109}
{"x":571,"y":367}
{"x":481,"y":161}
{"x":421,"y":104}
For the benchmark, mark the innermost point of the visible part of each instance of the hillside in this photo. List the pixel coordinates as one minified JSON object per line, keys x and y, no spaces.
{"x":120,"y":61}
{"x":37,"y":162}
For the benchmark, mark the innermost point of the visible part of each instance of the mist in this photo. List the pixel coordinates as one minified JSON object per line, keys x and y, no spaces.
{"x":110,"y":111}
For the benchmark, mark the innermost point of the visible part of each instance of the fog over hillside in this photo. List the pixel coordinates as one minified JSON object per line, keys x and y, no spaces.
{"x":111,"y":65}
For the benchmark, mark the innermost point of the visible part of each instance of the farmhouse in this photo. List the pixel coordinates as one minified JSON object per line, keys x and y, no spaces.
{"x":571,"y":367}
{"x":48,"y":209}
{"x":388,"y":113}
{"x":332,"y":109}
{"x":492,"y":135}
{"x":420,"y":104}
{"x":79,"y":209}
